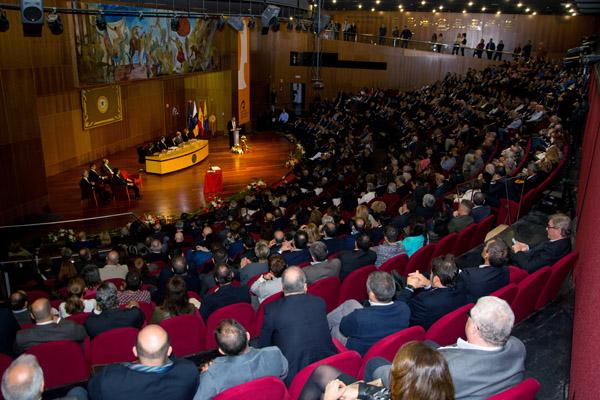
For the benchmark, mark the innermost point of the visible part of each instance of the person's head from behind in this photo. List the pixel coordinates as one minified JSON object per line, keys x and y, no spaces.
{"x":293,"y":281}
{"x":559,"y":226}
{"x":261,"y":249}
{"x":41,"y":310}
{"x":176,"y":297}
{"x":318,"y":251}
{"x":363,"y":242}
{"x":478,"y":199}
{"x":390,"y":234}
{"x":380,"y":287}
{"x":490,"y":322}
{"x":428,"y":200}
{"x":180,"y":266}
{"x":18,"y":300}
{"x":106,"y":296}
{"x":444,"y":271}
{"x":133,"y":280}
{"x":495,"y":253}
{"x":91,"y":275}
{"x":300,"y":240}
{"x":232,"y":338}
{"x":74,"y":303}
{"x":420,"y":373}
{"x":465,"y":208}
{"x":112,"y":258}
{"x":223,"y":275}
{"x":152,"y":347}
{"x":277,"y":265}
{"x":23,"y":379}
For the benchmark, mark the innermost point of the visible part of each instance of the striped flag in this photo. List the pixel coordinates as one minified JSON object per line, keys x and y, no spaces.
{"x":195,"y":120}
{"x":200,"y":125}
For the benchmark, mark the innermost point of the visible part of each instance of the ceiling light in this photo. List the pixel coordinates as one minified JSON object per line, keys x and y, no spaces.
{"x":464,"y":11}
{"x":520,"y":5}
{"x":527,"y":9}
{"x":373,"y":9}
{"x":423,"y":2}
{"x":498,"y":12}
{"x":441,"y":7}
{"x":377,"y":2}
{"x":360,"y":6}
{"x":483,"y":8}
{"x":470,"y":4}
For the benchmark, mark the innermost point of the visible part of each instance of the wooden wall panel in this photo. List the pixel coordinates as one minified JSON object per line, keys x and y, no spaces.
{"x":557,"y":33}
{"x":215,"y":88}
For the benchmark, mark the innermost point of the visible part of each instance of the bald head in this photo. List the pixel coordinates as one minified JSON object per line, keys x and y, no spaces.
{"x":293,"y":281}
{"x":152,"y":346}
{"x":23,"y":380}
{"x":41,"y":310}
{"x":112,"y":258}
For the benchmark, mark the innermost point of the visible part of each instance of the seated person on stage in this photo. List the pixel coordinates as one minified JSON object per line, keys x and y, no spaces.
{"x":429,"y":300}
{"x":106,"y":170}
{"x":488,"y":362}
{"x":178,"y":139}
{"x":240,"y":363}
{"x":284,"y":117}
{"x":164,"y":143}
{"x":548,"y":251}
{"x":118,"y":179}
{"x":358,"y":327}
{"x":155,"y":375}
{"x":89,"y":186}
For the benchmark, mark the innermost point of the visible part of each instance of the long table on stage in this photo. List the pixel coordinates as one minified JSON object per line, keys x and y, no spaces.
{"x":189,"y":154}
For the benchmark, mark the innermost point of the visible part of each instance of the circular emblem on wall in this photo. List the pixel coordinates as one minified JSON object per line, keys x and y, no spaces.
{"x":194,"y":158}
{"x":102,"y":104}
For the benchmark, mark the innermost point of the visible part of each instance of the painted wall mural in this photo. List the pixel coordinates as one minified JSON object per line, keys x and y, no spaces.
{"x":134,"y":48}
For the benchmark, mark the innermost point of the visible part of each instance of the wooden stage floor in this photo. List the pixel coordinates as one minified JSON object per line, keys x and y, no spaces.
{"x":179,"y":191}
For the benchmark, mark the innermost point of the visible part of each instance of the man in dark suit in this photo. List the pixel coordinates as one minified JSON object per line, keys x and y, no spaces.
{"x":296,"y":251}
{"x":20,"y":307}
{"x":106,"y":170}
{"x":86,"y":186}
{"x":462,"y":217}
{"x":47,"y":328}
{"x":361,"y":256}
{"x":179,"y":267}
{"x":360,"y":328}
{"x":225,"y":294}
{"x":480,"y":210}
{"x":429,"y":300}
{"x":333,"y":243}
{"x":232,"y":126}
{"x":110,"y":316}
{"x":492,"y":275}
{"x":321,"y":267}
{"x":297,"y":324}
{"x":8,"y":331}
{"x":120,"y":180}
{"x":549,"y":251}
{"x":502,"y":188}
{"x":534,"y":176}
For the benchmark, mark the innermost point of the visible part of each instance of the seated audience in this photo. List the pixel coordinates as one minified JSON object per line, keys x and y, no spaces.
{"x":548,"y":251}
{"x":155,"y":376}
{"x":8,"y":331}
{"x":268,"y":283}
{"x":179,"y":267}
{"x":225,"y":294}
{"x":390,"y":247}
{"x":429,"y":300}
{"x":416,"y":236}
{"x":133,"y":289}
{"x":112,"y":269}
{"x":358,"y":327}
{"x":480,"y":210}
{"x":76,"y":303}
{"x":249,"y":269}
{"x":240,"y":363}
{"x":462,"y":217}
{"x":20,"y":307}
{"x":321,"y":267}
{"x":361,"y":256}
{"x":175,"y":302}
{"x":296,"y":251}
{"x":108,"y":315}
{"x":47,"y":328}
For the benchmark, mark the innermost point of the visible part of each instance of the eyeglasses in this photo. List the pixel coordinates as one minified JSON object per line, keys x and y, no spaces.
{"x":551,"y":227}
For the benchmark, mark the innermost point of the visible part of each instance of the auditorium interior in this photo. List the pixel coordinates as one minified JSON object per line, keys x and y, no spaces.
{"x":241,"y":144}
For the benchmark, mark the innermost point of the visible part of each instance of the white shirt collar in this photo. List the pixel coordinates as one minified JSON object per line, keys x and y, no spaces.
{"x":48,"y":322}
{"x":463,"y":344}
{"x":380,"y":304}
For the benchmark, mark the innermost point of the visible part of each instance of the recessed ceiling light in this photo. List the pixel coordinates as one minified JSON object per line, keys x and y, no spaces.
{"x":520,"y":5}
{"x":373,"y":9}
{"x":483,"y":8}
{"x":534,"y":13}
{"x":423,"y":2}
{"x":498,"y":12}
{"x":527,"y":9}
{"x":441,"y":7}
{"x":464,"y":11}
{"x":360,"y":6}
{"x":470,"y":4}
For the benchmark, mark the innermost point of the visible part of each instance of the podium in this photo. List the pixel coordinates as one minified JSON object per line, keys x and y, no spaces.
{"x":213,"y":181}
{"x":236,"y":136}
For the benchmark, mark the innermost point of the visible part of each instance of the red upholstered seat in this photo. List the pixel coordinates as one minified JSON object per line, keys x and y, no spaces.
{"x":507,"y":213}
{"x":348,"y":362}
{"x":267,"y":388}
{"x":118,"y":282}
{"x":397,"y":263}
{"x":560,"y":271}
{"x":389,"y":345}
{"x":328,"y":289}
{"x":113,"y":346}
{"x":62,"y":361}
{"x":483,"y":227}
{"x":260,"y":313}
{"x":530,"y":289}
{"x":507,"y":293}
{"x":193,"y":295}
{"x":79,"y":318}
{"x":463,"y":241}
{"x":241,"y":312}
{"x":446,"y":330}
{"x":186,"y":333}
{"x":517,"y":274}
{"x":33,"y":295}
{"x":355,"y":285}
{"x":147,"y":309}
{"x":338,"y":345}
{"x":445,"y":246}
{"x":420,"y":260}
{"x":525,"y":390}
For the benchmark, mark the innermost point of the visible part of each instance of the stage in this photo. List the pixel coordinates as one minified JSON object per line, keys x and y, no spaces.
{"x":180,"y":191}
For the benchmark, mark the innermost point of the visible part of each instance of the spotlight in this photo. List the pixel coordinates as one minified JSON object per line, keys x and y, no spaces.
{"x":175,"y":23}
{"x":54,"y":23}
{"x":100,"y":22}
{"x":251,"y":23}
{"x":4,"y":25}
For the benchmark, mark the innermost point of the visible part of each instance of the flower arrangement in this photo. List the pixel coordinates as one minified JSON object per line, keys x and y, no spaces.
{"x":295,"y":156}
{"x":244,"y":144}
{"x":215,"y":203}
{"x":237,"y":149}
{"x":62,"y":235}
{"x":256,"y":185}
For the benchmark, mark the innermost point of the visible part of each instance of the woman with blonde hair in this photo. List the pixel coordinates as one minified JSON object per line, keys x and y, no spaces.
{"x":312,"y":231}
{"x":362,"y":211}
{"x":76,"y":303}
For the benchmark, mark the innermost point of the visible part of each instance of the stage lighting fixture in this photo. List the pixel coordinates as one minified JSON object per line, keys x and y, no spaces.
{"x":100,"y":22}
{"x":236,"y":23}
{"x":175,"y":23}
{"x":54,"y":23}
{"x":251,"y":23}
{"x":269,"y":15}
{"x":221,"y":23}
{"x":4,"y":24}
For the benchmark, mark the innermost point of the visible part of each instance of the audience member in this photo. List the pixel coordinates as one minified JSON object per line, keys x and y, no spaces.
{"x":133,"y":289}
{"x":390,"y":247}
{"x":462,"y":217}
{"x":112,"y":269}
{"x":225,"y":294}
{"x":268,"y":283}
{"x":76,"y":303}
{"x":108,"y":315}
{"x":20,"y":307}
{"x":249,"y":269}
{"x":361,"y":256}
{"x":176,"y":301}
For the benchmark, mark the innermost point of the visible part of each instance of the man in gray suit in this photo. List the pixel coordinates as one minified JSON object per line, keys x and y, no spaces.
{"x":488,"y":362}
{"x":47,"y":328}
{"x":240,"y":362}
{"x":320,"y":267}
{"x":249,"y":269}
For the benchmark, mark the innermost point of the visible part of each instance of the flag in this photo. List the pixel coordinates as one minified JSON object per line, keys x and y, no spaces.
{"x":200,"y":121}
{"x":195,"y":120}
{"x":205,"y":118}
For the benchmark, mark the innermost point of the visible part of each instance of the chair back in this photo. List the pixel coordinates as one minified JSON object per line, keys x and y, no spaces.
{"x":186,"y":334}
{"x":79,"y":318}
{"x":355,"y":285}
{"x":267,"y":388}
{"x":464,"y":239}
{"x":530,"y":289}
{"x":481,"y":230}
{"x":397,"y":263}
{"x":507,"y":213}
{"x":560,"y":271}
{"x":445,"y":246}
{"x":62,"y":361}
{"x":421,"y":260}
{"x":241,"y":312}
{"x":147,"y":309}
{"x":526,"y":390}
{"x":260,"y":313}
{"x":118,"y":282}
{"x":113,"y":346}
{"x":389,"y":346}
{"x":347,"y":362}
{"x":507,"y":293}
{"x":328,"y":289}
{"x":33,"y":295}
{"x":446,"y":330}
{"x":517,"y":274}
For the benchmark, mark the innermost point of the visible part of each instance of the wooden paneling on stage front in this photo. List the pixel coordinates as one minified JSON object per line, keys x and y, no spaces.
{"x":179,"y":191}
